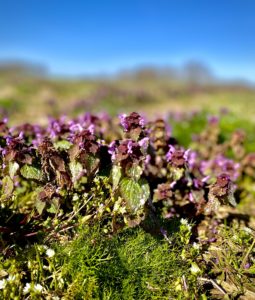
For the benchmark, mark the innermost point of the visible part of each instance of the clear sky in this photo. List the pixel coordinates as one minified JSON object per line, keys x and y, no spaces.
{"x":92,"y":36}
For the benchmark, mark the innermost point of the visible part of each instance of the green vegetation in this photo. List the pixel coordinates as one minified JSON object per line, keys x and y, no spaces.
{"x":92,"y":207}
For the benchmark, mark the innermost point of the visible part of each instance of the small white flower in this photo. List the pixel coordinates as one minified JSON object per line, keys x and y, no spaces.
{"x":142,"y":201}
{"x":11,"y":278}
{"x":27,"y":288}
{"x":247,"y":230}
{"x":55,"y":298}
{"x":196,"y":246}
{"x":184,"y":221}
{"x":50,"y":252}
{"x":235,"y":237}
{"x":38,"y":288}
{"x":2,"y":284}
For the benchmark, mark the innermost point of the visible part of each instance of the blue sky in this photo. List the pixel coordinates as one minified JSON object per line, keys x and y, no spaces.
{"x":92,"y":36}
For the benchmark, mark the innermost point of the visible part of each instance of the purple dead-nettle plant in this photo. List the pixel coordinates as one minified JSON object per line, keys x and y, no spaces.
{"x":191,"y":158}
{"x":132,"y":124}
{"x":58,"y":128}
{"x":87,"y":141}
{"x":221,"y":192}
{"x":75,"y":127}
{"x":112,"y":150}
{"x":179,"y":157}
{"x":169,"y":154}
{"x":220,"y":164}
{"x":126,"y":150}
{"x":213,"y":120}
{"x":144,"y":144}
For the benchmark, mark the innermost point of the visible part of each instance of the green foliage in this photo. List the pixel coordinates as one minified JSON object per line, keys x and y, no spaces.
{"x":76,"y":170}
{"x":7,"y":188}
{"x":116,"y":175}
{"x":95,"y":220}
{"x":30,"y":172}
{"x":134,"y":192}
{"x":131,"y":265}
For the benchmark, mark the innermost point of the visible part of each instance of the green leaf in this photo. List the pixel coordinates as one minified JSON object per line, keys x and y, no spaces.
{"x":91,"y":162}
{"x":135,"y":193}
{"x":232,"y":200}
{"x":176,"y":173}
{"x":13,"y":168}
{"x":40,"y":205}
{"x":145,"y":188}
{"x":212,"y":205}
{"x":7,"y":187}
{"x":54,"y":206}
{"x":30,"y":172}
{"x":86,"y":218}
{"x":63,"y":145}
{"x":116,"y":175}
{"x":135,"y":171}
{"x":76,"y":170}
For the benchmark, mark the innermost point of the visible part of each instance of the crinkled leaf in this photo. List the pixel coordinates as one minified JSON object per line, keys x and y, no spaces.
{"x":76,"y":170}
{"x":54,"y":206}
{"x":232,"y":200}
{"x":116,"y":175}
{"x":212,"y":205}
{"x":30,"y":172}
{"x":40,"y":205}
{"x":145,"y":188}
{"x":91,"y":163}
{"x":231,"y":197}
{"x":135,"y":193}
{"x":63,"y":145}
{"x":13,"y":168}
{"x":7,"y":187}
{"x":176,"y":173}
{"x":135,"y":172}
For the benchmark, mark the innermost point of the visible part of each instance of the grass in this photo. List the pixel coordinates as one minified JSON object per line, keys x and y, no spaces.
{"x":130,"y":265}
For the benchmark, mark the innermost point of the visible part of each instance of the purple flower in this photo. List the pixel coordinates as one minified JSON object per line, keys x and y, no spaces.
{"x":131,"y":122}
{"x":190,"y":157}
{"x":123,"y":121}
{"x":129,"y":147}
{"x":147,"y":159}
{"x":170,"y":153}
{"x":213,"y":120}
{"x":247,"y":266}
{"x":144,"y":144}
{"x":75,"y":127}
{"x":177,"y":157}
{"x":191,"y":197}
{"x":220,"y":164}
{"x":91,"y":128}
{"x":112,"y":150}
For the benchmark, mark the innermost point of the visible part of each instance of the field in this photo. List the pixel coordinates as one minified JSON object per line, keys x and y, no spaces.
{"x":126,"y":188}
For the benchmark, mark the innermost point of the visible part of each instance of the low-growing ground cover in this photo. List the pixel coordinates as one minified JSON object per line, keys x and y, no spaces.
{"x":102,"y":208}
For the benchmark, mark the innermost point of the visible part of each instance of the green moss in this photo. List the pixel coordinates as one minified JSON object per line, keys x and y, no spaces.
{"x":131,"y":265}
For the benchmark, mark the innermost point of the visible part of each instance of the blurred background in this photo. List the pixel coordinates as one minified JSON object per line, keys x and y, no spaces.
{"x":68,"y":57}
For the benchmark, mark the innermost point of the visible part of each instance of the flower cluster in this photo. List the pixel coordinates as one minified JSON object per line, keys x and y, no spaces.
{"x":88,"y":157}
